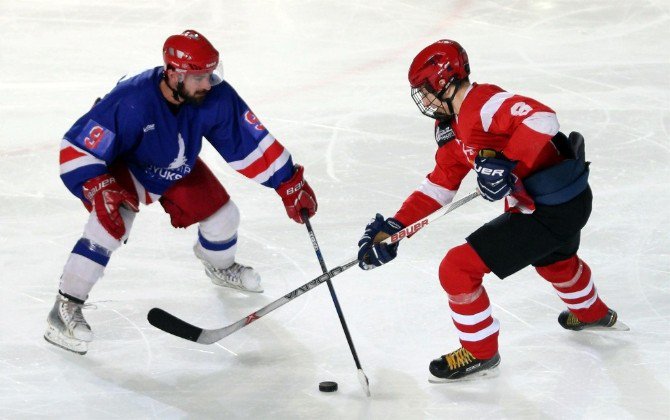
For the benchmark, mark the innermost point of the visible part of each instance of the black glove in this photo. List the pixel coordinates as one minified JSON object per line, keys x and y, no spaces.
{"x":371,"y":253}
{"x":494,"y":174}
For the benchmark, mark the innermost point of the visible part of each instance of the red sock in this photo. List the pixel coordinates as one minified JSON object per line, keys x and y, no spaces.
{"x":461,"y":274}
{"x":572,"y":280}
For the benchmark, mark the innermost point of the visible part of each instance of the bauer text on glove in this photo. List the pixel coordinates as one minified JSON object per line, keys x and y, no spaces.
{"x":372,"y":253}
{"x":296,"y":194}
{"x":106,"y":196}
{"x":494,"y":174}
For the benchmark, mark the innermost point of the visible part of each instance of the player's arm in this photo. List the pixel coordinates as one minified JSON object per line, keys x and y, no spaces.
{"x":547,"y":169}
{"x":530,"y":126}
{"x":437,"y":190}
{"x":246,"y":144}
{"x":77,"y":166}
{"x":87,"y":149}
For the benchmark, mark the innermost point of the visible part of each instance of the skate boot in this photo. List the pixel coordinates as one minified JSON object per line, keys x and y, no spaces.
{"x":237,"y":276}
{"x":67,"y":327}
{"x":569,"y":321}
{"x":462,"y":365}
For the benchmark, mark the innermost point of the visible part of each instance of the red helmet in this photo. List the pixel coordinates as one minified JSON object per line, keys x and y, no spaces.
{"x":190,"y":52}
{"x":443,"y":60}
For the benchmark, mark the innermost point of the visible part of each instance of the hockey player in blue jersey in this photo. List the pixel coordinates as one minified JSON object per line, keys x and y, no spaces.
{"x":140,"y":144}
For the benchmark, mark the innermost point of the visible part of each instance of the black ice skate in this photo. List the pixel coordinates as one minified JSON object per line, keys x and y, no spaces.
{"x":461,"y":365}
{"x":609,"y":322}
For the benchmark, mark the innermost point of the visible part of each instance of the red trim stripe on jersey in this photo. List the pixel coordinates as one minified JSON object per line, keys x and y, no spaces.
{"x":72,"y":158}
{"x":69,"y":153}
{"x":270,"y":155}
{"x":263,"y":161}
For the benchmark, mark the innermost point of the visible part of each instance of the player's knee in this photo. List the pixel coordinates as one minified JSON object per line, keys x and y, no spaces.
{"x":559,"y":270}
{"x":97,"y":234}
{"x":568,"y":270}
{"x":221,"y":225}
{"x":462,"y":270}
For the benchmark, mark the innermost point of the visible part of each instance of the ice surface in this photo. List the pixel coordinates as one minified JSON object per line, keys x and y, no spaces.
{"x":329,"y":80}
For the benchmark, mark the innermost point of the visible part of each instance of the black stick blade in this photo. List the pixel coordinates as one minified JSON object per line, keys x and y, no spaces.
{"x":173,"y":325}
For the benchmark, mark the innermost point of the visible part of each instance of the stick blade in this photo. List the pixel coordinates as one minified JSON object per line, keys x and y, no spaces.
{"x":364,"y":382}
{"x":173,"y":325}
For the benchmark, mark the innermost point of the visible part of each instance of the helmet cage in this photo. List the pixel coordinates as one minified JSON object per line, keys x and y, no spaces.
{"x":436,"y":103}
{"x":440,"y":62}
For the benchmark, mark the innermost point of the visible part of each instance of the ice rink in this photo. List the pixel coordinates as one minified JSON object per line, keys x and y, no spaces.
{"x":329,"y":79}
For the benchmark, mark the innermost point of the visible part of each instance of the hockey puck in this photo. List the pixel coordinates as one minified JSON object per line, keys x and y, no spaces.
{"x":328,"y":386}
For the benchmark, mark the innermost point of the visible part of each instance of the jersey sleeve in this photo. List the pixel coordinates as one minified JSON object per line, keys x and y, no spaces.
{"x":94,"y":141}
{"x":530,"y":126}
{"x":438,"y":188}
{"x":77,"y":166}
{"x":248,"y":147}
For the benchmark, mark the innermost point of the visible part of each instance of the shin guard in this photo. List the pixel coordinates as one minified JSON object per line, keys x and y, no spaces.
{"x":461,"y":275}
{"x":572,"y":280}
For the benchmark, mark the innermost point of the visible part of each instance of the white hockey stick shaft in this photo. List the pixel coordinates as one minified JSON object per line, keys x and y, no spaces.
{"x":415,"y":227}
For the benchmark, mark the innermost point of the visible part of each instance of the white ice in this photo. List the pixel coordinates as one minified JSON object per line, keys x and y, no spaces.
{"x":329,"y":79}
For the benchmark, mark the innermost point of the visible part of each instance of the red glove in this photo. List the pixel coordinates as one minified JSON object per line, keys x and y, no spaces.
{"x":107,"y":196}
{"x":297,"y":195}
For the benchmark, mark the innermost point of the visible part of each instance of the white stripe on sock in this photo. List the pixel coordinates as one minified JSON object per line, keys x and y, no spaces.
{"x":481,"y":334}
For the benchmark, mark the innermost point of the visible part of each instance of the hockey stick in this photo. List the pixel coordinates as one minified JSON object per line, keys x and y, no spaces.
{"x":365,"y":383}
{"x":175,"y":326}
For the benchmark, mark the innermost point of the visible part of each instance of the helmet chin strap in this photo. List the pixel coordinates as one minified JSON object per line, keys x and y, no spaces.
{"x":449,"y":100}
{"x":175,"y":92}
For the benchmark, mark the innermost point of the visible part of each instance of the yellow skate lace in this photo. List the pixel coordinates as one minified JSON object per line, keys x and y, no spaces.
{"x":459,"y":358}
{"x":572,"y":320}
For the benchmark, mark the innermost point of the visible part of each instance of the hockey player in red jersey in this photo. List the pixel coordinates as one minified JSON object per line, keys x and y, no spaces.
{"x":519,"y":155}
{"x":140,"y":144}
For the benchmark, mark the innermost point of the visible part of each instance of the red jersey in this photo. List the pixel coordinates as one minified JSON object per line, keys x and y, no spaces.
{"x":489,"y":118}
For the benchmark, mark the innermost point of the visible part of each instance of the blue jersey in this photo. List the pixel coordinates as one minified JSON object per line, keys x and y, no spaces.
{"x":133,"y":123}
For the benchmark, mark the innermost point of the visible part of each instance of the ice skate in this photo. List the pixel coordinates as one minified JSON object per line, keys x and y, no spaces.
{"x":237,"y":276}
{"x":461,"y":365}
{"x":609,"y":322}
{"x":67,"y":327}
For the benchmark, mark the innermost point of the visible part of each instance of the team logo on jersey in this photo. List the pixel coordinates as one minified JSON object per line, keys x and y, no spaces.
{"x":95,"y":137}
{"x":177,"y":169}
{"x":252,"y":120}
{"x":469,"y":152}
{"x":180,"y":160}
{"x":444,"y":133}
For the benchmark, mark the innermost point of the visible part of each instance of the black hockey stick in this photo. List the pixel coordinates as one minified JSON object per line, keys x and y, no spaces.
{"x":175,"y":326}
{"x":365,"y":383}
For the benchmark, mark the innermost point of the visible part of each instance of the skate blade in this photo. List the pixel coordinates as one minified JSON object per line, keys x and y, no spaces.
{"x":227,"y":285}
{"x":482,"y":374}
{"x":221,"y":283}
{"x":75,"y":346}
{"x":618,"y":326}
